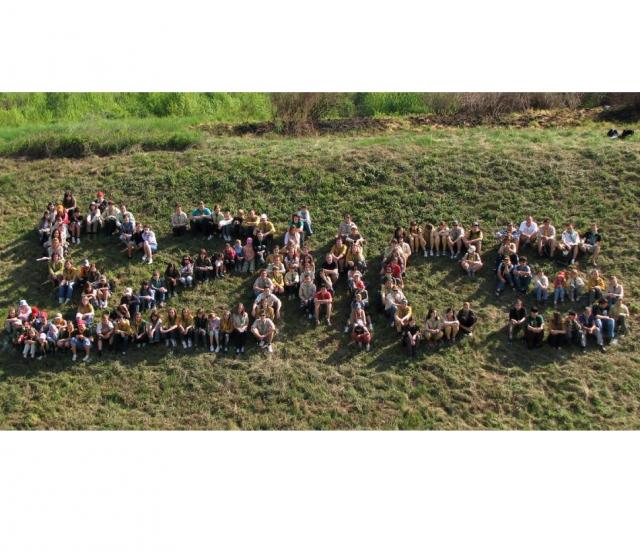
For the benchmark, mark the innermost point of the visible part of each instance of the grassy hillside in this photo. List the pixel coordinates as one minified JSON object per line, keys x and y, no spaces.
{"x":314,"y":379}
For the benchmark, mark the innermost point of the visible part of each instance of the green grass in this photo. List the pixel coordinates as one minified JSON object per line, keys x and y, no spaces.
{"x":314,"y":379}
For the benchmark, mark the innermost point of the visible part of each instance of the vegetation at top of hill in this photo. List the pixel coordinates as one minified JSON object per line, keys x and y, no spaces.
{"x":315,"y":379}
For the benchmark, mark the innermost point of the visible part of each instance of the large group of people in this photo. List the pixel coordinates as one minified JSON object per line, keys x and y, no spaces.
{"x":284,"y":269}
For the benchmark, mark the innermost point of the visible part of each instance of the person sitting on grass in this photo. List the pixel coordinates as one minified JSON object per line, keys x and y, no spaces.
{"x":614,"y":291}
{"x":149,"y":244}
{"x":56,"y":269}
{"x":229,"y":258}
{"x":510,"y":233}
{"x":213,"y":331}
{"x":471,"y":261}
{"x":416,"y":240}
{"x":329,"y":273}
{"x":595,"y":286}
{"x":186,"y":325}
{"x":411,"y":337}
{"x":344,"y":229}
{"x":339,"y":252}
{"x":123,"y":333}
{"x":65,"y":334}
{"x":574,"y":332}
{"x":546,"y":238}
{"x":528,"y":232}
{"x":226,"y":330}
{"x":522,"y":275}
{"x":575,"y":284}
{"x":237,"y":247}
{"x":146,"y":297}
{"x":305,"y":216}
{"x":249,"y":256}
{"x":441,"y":235}
{"x":505,"y":276}
{"x":200,"y":219}
{"x":432,"y":331}
{"x":262,"y":283}
{"x":361,"y":335}
{"x":68,"y":281}
{"x":591,"y":328}
{"x":569,"y":243}
{"x":75,"y":225}
{"x":263,"y":306}
{"x":126,"y":230}
{"x":620,"y":314}
{"x":85,"y":311}
{"x":357,"y":313}
{"x":456,"y":239}
{"x":154,"y":329}
{"x":136,"y":242}
{"x":186,"y":272}
{"x":271,"y":300}
{"x":291,"y":282}
{"x":110,"y":218}
{"x":179,"y":221}
{"x":450,"y":326}
{"x":202,"y":267}
{"x":306,"y":293}
{"x":541,"y":286}
{"x":104,"y":333}
{"x":169,"y":329}
{"x":474,"y":237}
{"x":80,"y":340}
{"x":517,"y":319}
{"x":604,"y":320}
{"x":93,"y":221}
{"x":403,"y":315}
{"x":557,"y":331}
{"x":468,"y":319}
{"x":591,"y":243}
{"x":559,"y":284}
{"x":140,"y":330}
{"x":264,"y":330}
{"x":267,"y":229}
{"x":534,"y":329}
{"x":429,"y":237}
{"x":323,"y":299}
{"x":392,"y":298}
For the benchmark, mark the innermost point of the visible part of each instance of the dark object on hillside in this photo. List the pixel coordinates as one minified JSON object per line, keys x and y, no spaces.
{"x":613,"y":133}
{"x":625,"y":134}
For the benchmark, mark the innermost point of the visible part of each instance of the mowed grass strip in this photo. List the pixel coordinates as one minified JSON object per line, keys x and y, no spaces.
{"x":315,"y":379}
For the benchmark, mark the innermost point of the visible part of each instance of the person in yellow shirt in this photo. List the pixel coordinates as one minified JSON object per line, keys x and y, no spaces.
{"x":123,"y":333}
{"x":267,"y":228}
{"x":226,"y":328}
{"x":69,"y":276}
{"x":339,"y":252}
{"x":620,"y":313}
{"x":403,"y":315}
{"x":595,"y":286}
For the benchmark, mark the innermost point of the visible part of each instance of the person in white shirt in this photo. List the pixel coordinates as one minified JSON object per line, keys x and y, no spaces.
{"x":546,"y":237}
{"x":149,"y":244}
{"x":271,"y":300}
{"x":570,"y":243}
{"x":528,"y":232}
{"x":541,"y":286}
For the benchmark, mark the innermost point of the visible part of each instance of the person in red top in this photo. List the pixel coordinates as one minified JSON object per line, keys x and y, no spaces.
{"x":229,"y":258}
{"x":361,"y":335}
{"x":323,"y":298}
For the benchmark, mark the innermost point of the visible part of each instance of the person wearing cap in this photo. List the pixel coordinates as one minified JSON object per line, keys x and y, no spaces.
{"x":471,"y":261}
{"x":455,"y":240}
{"x":591,"y":243}
{"x":433,"y":331}
{"x":468,"y":319}
{"x":474,"y":237}
{"x":80,"y":340}
{"x":569,"y":243}
{"x":361,"y":335}
{"x":534,"y":329}
{"x":517,"y":319}
{"x":200,"y":219}
{"x":323,"y":298}
{"x":179,"y":221}
{"x":591,"y":328}
{"x":402,"y":315}
{"x":546,"y":238}
{"x":604,"y":320}
{"x":528,"y":232}
{"x":267,"y":229}
{"x":264,"y":330}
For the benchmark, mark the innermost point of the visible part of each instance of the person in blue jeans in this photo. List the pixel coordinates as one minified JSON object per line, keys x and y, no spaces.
{"x":590,"y":328}
{"x":522,"y":275}
{"x":504,"y":273}
{"x":604,"y":321}
{"x":305,"y":216}
{"x":541,"y":286}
